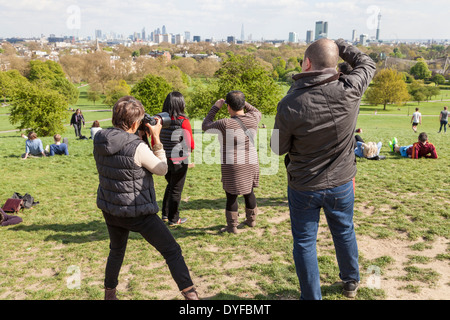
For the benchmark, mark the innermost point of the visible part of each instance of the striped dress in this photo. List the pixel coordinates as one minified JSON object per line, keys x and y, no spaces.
{"x":239,"y":160}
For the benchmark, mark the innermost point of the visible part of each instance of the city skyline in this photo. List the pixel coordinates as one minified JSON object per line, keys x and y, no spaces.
{"x":262,"y":19}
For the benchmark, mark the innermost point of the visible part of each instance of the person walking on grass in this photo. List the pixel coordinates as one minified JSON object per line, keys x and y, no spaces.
{"x":126,"y":193}
{"x":77,"y":121}
{"x":315,"y":125}
{"x":416,"y":119}
{"x":239,"y":159}
{"x":443,"y":118}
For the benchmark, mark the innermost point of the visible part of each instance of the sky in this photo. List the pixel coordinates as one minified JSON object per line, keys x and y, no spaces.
{"x":263,"y":19}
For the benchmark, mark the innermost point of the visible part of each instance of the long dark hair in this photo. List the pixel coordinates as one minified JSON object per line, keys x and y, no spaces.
{"x":174,"y":105}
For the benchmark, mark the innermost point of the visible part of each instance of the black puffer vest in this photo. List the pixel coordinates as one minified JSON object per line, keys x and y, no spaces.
{"x":125,"y":189}
{"x":173,"y":140}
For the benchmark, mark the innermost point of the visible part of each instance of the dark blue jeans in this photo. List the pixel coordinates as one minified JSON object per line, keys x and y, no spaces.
{"x":443,"y":124}
{"x":337,"y":204}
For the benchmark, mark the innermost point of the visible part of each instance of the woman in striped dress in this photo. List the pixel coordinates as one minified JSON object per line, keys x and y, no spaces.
{"x":239,"y":158}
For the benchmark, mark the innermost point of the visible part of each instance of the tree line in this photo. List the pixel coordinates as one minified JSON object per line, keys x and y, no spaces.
{"x":40,"y":92}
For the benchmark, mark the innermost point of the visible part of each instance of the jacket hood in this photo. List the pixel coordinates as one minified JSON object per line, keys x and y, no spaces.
{"x":110,"y":141}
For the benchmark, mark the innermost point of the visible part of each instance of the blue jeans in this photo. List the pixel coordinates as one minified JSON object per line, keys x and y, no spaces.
{"x":337,"y":203}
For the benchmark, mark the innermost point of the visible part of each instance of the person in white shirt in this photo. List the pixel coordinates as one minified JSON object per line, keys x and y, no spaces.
{"x":416,"y":119}
{"x":95,"y":127}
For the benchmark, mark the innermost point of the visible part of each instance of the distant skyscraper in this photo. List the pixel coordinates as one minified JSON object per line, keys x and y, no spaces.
{"x":321,"y":30}
{"x":231,"y":39}
{"x":293,"y":37}
{"x":197,"y":39}
{"x":187,"y":36}
{"x":179,"y":39}
{"x":242,"y":33}
{"x":378,"y":27}
{"x":164,"y":31}
{"x":98,"y":34}
{"x":309,"y":36}
{"x":143,"y":34}
{"x":363,"y":39}
{"x":354,"y":36}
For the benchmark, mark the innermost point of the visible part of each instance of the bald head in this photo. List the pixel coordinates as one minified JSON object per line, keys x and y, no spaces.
{"x":323,"y":53}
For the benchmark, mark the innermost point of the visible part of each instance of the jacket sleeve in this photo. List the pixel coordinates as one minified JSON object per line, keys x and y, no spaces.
{"x":209,"y":123}
{"x":280,"y":142}
{"x":363,"y":66}
{"x":433,"y":152}
{"x":187,"y":131}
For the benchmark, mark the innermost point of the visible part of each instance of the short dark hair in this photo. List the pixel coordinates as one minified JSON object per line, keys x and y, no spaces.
{"x":236,"y":100}
{"x":127,"y":111}
{"x":323,"y":53}
{"x":423,"y":137}
{"x":174,"y":104}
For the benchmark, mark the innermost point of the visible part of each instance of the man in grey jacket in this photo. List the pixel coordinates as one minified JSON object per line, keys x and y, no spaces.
{"x":315,"y":123}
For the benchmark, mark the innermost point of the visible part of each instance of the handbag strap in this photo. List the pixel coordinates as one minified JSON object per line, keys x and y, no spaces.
{"x":246,"y":131}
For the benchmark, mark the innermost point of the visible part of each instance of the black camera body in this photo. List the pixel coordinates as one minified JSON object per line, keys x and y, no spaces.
{"x":152,"y":120}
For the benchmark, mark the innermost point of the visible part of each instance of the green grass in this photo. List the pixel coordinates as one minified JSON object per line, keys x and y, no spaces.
{"x":396,"y":198}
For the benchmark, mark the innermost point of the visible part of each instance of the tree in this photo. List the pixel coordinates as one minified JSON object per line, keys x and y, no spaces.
{"x":114,"y":90}
{"x":388,"y":87}
{"x":93,"y":95}
{"x":420,"y":92}
{"x":152,"y":91}
{"x":438,"y":79}
{"x":247,"y":74}
{"x":50,"y":74}
{"x":201,"y":98}
{"x":420,"y":70}
{"x":42,"y":110}
{"x":10,"y":82}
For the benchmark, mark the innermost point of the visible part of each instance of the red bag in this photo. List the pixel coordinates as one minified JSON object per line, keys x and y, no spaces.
{"x":13,"y":205}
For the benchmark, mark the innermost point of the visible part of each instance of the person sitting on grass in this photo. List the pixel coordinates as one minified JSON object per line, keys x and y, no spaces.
{"x":58,"y":147}
{"x":33,"y":146}
{"x":421,"y":149}
{"x":368,"y":150}
{"x":95,"y":128}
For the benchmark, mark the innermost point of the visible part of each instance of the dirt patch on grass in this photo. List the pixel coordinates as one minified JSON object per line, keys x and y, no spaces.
{"x":392,"y":275}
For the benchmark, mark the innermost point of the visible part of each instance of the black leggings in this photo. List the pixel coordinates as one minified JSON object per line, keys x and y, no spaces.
{"x":232,"y":203}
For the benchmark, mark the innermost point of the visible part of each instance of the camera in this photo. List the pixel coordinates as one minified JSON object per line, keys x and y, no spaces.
{"x":152,"y":120}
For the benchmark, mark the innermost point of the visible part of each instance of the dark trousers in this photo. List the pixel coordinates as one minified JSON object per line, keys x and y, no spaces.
{"x":443,"y":124}
{"x":175,"y":177}
{"x":232,"y":203}
{"x":77,"y":127}
{"x":156,"y":233}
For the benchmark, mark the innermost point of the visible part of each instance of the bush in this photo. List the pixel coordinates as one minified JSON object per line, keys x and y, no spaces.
{"x":152,"y":91}
{"x":41,"y":110}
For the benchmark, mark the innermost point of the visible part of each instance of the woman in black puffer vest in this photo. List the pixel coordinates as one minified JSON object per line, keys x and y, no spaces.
{"x":126,"y":193}
{"x":178,"y":143}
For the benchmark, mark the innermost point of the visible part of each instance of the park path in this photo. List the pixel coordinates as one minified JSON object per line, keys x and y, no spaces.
{"x":66,"y":125}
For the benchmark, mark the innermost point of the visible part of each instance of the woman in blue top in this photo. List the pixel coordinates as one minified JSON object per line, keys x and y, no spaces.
{"x":33,"y":146}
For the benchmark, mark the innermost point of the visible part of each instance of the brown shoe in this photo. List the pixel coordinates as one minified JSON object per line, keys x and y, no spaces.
{"x":190,"y":294}
{"x":110,"y":294}
{"x":232,"y":222}
{"x":250,"y":215}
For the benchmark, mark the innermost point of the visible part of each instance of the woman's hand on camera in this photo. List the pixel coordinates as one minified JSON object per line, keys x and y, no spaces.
{"x":155,"y":130}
